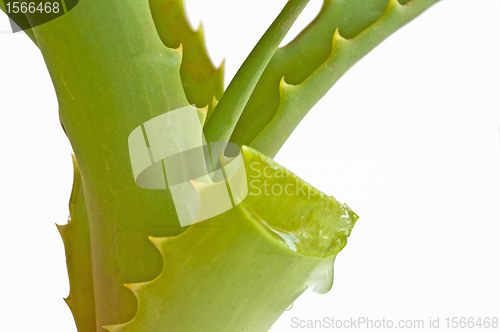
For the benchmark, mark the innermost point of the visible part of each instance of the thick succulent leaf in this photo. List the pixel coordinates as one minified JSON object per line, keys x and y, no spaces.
{"x":201,"y":80}
{"x":237,"y":271}
{"x":76,"y":237}
{"x":311,"y":64}
{"x":112,"y":73}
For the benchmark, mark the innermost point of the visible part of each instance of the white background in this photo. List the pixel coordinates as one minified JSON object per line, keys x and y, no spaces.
{"x":409,"y":138}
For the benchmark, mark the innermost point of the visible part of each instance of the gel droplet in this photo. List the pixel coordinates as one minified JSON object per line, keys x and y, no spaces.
{"x":321,"y":278}
{"x":290,"y":307}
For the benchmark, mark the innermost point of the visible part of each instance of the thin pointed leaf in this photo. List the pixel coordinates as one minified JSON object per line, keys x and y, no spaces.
{"x":310,"y":56}
{"x":222,"y":122}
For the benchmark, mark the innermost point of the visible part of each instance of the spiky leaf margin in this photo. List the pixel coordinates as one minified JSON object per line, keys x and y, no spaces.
{"x":341,"y":35}
{"x":76,"y":238}
{"x":233,"y":272}
{"x":201,"y":80}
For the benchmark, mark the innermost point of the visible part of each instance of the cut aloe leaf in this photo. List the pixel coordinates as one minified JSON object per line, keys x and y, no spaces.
{"x":242,"y":269}
{"x":318,"y":223}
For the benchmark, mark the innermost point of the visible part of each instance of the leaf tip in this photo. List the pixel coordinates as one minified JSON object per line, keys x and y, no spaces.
{"x":178,"y":50}
{"x":284,"y":86}
{"x":113,"y":328}
{"x":202,"y":114}
{"x":60,"y":228}
{"x":135,"y":287}
{"x":222,"y":65}
{"x":337,"y":37}
{"x":392,"y":5}
{"x":215,"y":101}
{"x":157,"y":241}
{"x":200,"y":28}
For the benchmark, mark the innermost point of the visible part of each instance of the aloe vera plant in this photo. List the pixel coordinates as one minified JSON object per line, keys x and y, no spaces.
{"x":116,"y":65}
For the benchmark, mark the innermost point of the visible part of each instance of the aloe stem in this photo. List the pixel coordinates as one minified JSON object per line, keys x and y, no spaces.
{"x":227,"y":112}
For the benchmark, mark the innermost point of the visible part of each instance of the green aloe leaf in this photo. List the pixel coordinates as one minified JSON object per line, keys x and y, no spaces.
{"x":201,"y":80}
{"x":228,"y":110}
{"x":112,"y":73}
{"x":303,"y":71}
{"x":242,"y":269}
{"x":76,"y":237}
